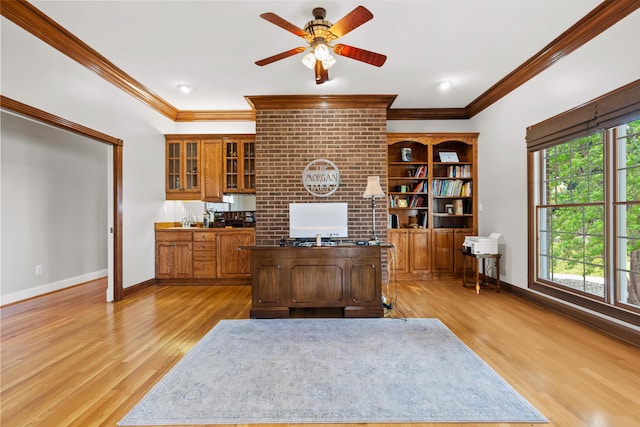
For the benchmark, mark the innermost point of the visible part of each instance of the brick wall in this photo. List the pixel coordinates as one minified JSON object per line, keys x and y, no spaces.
{"x":354,"y":139}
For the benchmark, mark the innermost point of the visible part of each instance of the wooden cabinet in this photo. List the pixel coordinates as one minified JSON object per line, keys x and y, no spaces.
{"x":212,"y":168}
{"x":232,"y":262}
{"x":204,"y":166}
{"x":239,"y":164}
{"x":285,"y":278}
{"x":446,"y":244}
{"x":420,"y":251}
{"x":431,"y":187}
{"x":173,"y":255}
{"x":442,"y":250}
{"x":365,"y":273}
{"x":412,"y":253}
{"x":182,"y":168}
{"x":203,"y":255}
{"x":398,"y":256}
{"x":459,"y":259}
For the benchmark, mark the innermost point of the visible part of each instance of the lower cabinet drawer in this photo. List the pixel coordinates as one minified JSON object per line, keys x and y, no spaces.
{"x":204,"y":246}
{"x":204,"y":256}
{"x":204,"y":270}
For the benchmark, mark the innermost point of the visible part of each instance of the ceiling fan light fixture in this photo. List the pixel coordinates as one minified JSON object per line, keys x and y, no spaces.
{"x":309,"y":60}
{"x":327,"y":63}
{"x":321,"y":50}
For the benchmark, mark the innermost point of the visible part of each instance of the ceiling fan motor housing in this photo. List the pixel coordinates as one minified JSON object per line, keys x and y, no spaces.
{"x":318,"y":29}
{"x":319,"y":26}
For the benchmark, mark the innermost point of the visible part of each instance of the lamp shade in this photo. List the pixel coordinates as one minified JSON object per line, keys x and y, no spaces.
{"x":373,"y":188}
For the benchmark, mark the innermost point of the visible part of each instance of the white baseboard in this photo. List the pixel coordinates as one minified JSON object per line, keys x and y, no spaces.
{"x":50,"y":287}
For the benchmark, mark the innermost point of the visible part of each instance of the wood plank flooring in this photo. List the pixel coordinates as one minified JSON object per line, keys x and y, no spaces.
{"x":70,"y":359}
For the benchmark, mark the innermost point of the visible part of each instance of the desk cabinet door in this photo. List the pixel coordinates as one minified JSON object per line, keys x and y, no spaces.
{"x":366,"y":277}
{"x":306,"y":274}
{"x":269,"y":278}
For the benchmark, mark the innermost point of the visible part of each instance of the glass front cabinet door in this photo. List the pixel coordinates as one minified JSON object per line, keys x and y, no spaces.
{"x":182,"y":169}
{"x":240,"y":164}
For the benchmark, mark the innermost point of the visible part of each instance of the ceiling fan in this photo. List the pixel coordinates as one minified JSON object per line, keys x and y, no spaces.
{"x":320,"y":34}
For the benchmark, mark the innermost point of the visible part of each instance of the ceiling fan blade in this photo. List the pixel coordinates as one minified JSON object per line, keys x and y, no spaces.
{"x":280,"y":56}
{"x":351,"y":20}
{"x":360,"y":54}
{"x":283,"y":23}
{"x":322,"y":75}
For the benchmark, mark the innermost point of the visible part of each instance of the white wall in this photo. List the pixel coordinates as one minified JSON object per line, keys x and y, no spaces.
{"x":31,"y":74}
{"x":54,"y":207}
{"x":609,"y":61}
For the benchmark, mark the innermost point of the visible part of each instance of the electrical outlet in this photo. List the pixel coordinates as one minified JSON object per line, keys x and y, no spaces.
{"x":38,"y":269}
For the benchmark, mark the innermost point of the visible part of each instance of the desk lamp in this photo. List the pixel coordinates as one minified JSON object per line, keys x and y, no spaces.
{"x":372,"y":191}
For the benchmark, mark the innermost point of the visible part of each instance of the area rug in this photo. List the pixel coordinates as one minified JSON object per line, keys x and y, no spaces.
{"x":330,"y":371}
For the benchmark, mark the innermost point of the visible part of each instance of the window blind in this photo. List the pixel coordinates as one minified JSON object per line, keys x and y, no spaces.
{"x":615,"y":108}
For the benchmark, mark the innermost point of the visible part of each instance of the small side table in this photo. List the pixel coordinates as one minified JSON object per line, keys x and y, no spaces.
{"x":482,"y":258}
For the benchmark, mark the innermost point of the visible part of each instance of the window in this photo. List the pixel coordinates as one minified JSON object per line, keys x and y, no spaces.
{"x":627,"y":205}
{"x":570,"y":215}
{"x":585,"y":200}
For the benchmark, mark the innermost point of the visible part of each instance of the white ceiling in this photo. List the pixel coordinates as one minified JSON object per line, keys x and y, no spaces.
{"x":212,"y":45}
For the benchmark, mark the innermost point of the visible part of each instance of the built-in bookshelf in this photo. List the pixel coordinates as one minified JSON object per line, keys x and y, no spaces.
{"x":431,"y":189}
{"x":408,"y":183}
{"x":452,"y":184}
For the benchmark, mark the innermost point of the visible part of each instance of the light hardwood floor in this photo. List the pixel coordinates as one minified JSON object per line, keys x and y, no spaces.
{"x":70,"y":359}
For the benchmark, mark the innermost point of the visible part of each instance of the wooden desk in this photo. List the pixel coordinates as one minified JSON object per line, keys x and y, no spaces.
{"x":348,"y":279}
{"x":482,"y":258}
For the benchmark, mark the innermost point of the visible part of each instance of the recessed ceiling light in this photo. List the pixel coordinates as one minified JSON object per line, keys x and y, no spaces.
{"x":444,"y":85}
{"x":184,"y":88}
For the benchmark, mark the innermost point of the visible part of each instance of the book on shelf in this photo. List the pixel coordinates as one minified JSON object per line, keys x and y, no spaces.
{"x":450,"y":188}
{"x":466,"y":206}
{"x":393,"y":221}
{"x":419,"y":187}
{"x":416,"y":201}
{"x":421,"y":171}
{"x":466,"y":189}
{"x":463,"y":171}
{"x":423,"y":220}
{"x":458,"y":207}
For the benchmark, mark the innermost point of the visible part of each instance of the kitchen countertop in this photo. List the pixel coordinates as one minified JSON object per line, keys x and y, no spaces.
{"x":175,"y":226}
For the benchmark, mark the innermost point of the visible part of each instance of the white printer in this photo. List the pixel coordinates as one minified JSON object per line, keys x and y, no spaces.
{"x":482,"y":245}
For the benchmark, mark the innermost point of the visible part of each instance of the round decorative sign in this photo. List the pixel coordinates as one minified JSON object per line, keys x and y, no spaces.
{"x":321,"y":177}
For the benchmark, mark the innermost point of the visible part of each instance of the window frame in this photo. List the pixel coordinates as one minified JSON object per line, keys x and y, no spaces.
{"x":602,"y":114}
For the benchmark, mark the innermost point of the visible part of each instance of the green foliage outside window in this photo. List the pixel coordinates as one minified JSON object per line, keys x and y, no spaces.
{"x":574,"y":183}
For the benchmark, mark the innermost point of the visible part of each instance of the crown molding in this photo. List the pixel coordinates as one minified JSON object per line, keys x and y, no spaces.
{"x":427,"y":114}
{"x":216,"y":116}
{"x":307,"y":102}
{"x":56,"y":121}
{"x":605,"y":15}
{"x":32,"y":20}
